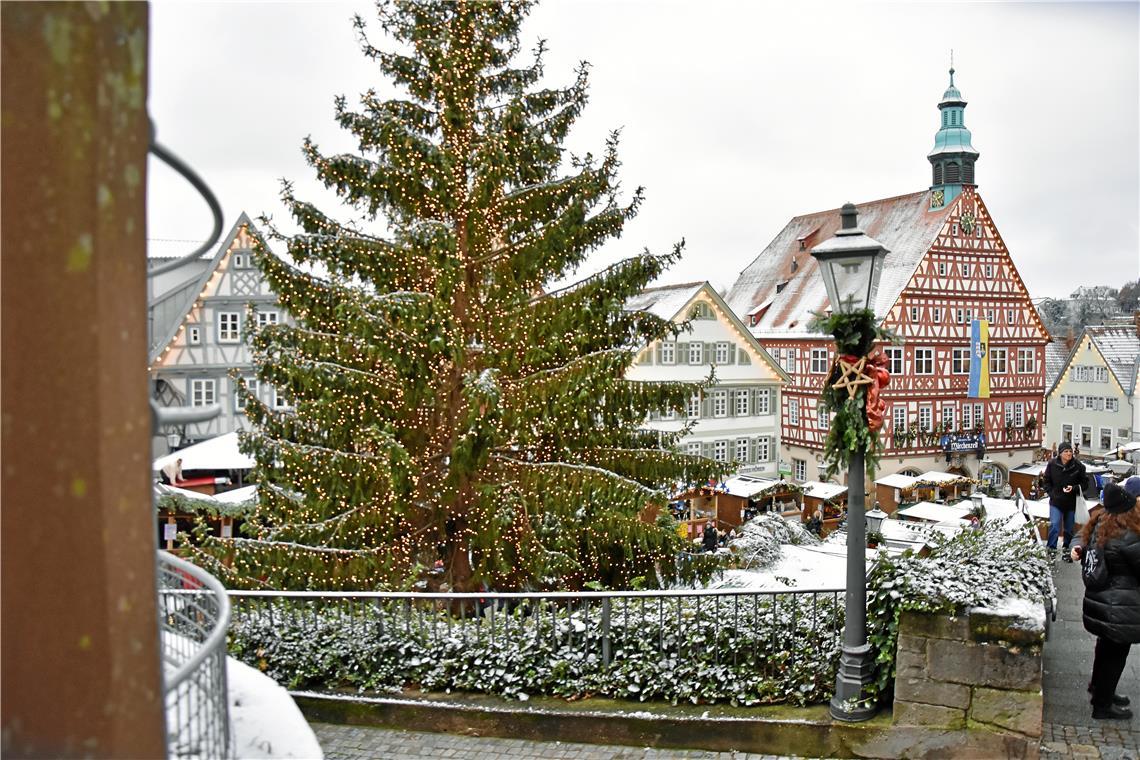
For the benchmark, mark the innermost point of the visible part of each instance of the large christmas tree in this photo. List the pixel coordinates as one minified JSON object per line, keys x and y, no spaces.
{"x":445,"y":405}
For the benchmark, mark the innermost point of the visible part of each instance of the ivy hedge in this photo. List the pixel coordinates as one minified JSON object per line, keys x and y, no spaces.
{"x":744,"y":650}
{"x":969,"y":569}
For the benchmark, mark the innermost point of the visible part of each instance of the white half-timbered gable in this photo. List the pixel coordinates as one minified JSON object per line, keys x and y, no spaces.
{"x":946,"y":266}
{"x":1092,"y":397}
{"x":199,"y":333}
{"x":736,"y":420}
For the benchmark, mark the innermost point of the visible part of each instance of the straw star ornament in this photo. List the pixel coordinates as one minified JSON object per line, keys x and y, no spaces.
{"x":851,"y":376}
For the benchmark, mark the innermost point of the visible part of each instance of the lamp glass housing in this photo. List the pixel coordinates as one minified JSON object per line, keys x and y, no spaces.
{"x":851,"y":279}
{"x":875,"y":519}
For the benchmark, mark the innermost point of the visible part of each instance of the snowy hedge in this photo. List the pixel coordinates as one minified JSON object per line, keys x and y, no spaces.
{"x":742,"y":650}
{"x":972,"y":568}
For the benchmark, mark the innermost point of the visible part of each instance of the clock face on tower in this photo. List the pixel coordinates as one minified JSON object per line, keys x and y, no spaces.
{"x":968,"y":223}
{"x":937,"y":199}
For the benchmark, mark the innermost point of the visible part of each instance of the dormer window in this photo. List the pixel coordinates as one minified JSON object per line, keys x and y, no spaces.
{"x":780,"y":286}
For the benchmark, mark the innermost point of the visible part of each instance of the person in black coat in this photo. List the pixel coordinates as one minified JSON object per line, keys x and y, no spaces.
{"x":1063,"y":480}
{"x":1112,"y":614}
{"x":710,"y":538}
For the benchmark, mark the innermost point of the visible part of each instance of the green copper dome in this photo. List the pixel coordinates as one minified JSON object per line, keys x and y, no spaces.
{"x":953,"y":155}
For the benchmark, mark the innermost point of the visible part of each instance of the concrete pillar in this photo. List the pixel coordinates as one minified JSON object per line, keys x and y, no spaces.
{"x":80,"y":672}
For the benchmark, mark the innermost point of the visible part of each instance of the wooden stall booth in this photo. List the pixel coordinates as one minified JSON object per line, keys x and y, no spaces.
{"x":941,"y":487}
{"x":732,"y":502}
{"x":1025,"y":478}
{"x":892,"y":491}
{"x":829,"y":498}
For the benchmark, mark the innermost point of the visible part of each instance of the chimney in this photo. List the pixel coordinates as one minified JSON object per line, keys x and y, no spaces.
{"x":1070,"y":339}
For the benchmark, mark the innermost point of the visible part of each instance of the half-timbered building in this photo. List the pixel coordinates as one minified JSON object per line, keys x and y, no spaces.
{"x":947,"y":265}
{"x":200,"y":315}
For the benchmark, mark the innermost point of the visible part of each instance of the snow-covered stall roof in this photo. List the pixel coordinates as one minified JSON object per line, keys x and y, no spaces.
{"x":237,"y":495}
{"x":1034,"y":468}
{"x":748,"y":486}
{"x":820,"y":490}
{"x":161,"y":489}
{"x":931,"y":512}
{"x":219,"y":453}
{"x":934,"y":476}
{"x":898,"y":480}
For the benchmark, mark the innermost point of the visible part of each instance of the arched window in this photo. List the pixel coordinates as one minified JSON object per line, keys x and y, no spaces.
{"x":938,"y":174}
{"x":952,"y":174}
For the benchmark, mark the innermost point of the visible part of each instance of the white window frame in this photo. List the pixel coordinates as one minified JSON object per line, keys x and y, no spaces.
{"x":965,"y":269}
{"x":1009,"y":412}
{"x":1086,"y":437}
{"x":924,"y":357}
{"x":763,"y":402}
{"x":693,"y":448}
{"x":1101,"y":374}
{"x":896,"y":357}
{"x":722,"y":352}
{"x":668,"y":352}
{"x":229,"y":326}
{"x":960,"y":316}
{"x":1026,"y":360}
{"x":203,"y":391}
{"x":967,"y":416}
{"x":1112,"y":404}
{"x":696,"y":352}
{"x":822,"y":418}
{"x":936,"y":315}
{"x":913,"y":313}
{"x":1019,"y":413}
{"x":960,"y":360}
{"x":271,"y":317}
{"x":898,"y":419}
{"x":1105,"y":446}
{"x":941,"y":268}
{"x":743,"y":402}
{"x":279,"y":400}
{"x":998,"y":360}
{"x":1067,"y":433}
{"x":239,"y":401}
{"x":764,"y":449}
{"x":980,"y":415}
{"x":988,"y":269}
{"x":1011,"y":316}
{"x":693,"y":411}
{"x":793,"y":411}
{"x":720,"y":403}
{"x":799,"y":469}
{"x":194,"y":335}
{"x":720,"y":451}
{"x":926,"y":418}
{"x":742,"y":450}
{"x":948,"y":416}
{"x":819,"y":364}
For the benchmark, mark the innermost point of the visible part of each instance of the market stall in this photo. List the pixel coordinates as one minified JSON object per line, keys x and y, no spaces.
{"x":893,"y":490}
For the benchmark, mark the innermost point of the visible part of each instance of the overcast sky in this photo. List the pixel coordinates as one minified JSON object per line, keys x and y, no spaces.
{"x":735,"y":116}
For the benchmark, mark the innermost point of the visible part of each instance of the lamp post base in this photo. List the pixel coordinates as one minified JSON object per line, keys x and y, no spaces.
{"x":855,"y":672}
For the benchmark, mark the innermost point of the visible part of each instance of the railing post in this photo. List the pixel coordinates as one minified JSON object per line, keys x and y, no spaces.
{"x":606,"y":648}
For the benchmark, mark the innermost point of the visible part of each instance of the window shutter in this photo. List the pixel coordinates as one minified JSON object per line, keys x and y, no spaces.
{"x":707,"y":405}
{"x":710,"y":353}
{"x":707,"y":449}
{"x":731,"y":402}
{"x":743,"y":357}
{"x":682,"y":355}
{"x":656,"y":352}
{"x":731,"y":353}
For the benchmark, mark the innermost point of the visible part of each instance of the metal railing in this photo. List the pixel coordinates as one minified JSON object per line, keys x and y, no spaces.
{"x":194,"y":614}
{"x":588,"y":633}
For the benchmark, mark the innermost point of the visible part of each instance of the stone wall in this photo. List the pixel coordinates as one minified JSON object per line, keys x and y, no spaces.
{"x":980,"y":670}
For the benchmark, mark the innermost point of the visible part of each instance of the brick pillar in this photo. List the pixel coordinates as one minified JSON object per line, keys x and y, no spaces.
{"x":80,"y":672}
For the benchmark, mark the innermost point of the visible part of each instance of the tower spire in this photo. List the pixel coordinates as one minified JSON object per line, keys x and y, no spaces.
{"x":953,"y":156}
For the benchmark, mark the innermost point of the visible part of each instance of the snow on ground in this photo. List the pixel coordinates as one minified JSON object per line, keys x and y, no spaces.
{"x":266,"y":720}
{"x":799,"y":567}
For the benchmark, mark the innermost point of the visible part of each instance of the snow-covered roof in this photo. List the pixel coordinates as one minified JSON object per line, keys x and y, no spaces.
{"x":931,"y":512}
{"x":1056,"y":357}
{"x":934,"y":476}
{"x":786,"y":274}
{"x":898,"y":480}
{"x":237,"y":495}
{"x":1120,"y":347}
{"x":747,"y":486}
{"x":665,"y":301}
{"x":1033,"y":468}
{"x":219,"y":453}
{"x":823,"y":490}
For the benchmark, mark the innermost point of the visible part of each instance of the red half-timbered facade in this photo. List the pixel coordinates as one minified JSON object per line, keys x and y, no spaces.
{"x":947,"y":265}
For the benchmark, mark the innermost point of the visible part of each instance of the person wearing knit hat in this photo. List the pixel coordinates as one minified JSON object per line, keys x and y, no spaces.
{"x":1063,"y":479}
{"x":1112,"y":613}
{"x":1132,"y":486}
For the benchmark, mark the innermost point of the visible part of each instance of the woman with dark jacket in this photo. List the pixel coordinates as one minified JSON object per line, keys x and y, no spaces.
{"x":1112,"y":614}
{"x":1063,"y":480}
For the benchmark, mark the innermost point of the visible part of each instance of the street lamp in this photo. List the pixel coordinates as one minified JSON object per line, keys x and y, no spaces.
{"x":875,"y":519}
{"x":850,"y":263}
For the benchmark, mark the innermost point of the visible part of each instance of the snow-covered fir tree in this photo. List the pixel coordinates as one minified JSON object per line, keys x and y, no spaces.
{"x":445,"y":405}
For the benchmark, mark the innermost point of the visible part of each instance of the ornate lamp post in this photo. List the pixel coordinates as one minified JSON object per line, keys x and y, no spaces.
{"x":850,"y":264}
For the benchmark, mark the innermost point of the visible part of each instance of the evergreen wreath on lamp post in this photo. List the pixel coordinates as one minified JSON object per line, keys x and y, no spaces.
{"x":849,"y":264}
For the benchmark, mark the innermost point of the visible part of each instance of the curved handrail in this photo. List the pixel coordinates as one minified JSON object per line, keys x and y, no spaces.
{"x":217,"y":636}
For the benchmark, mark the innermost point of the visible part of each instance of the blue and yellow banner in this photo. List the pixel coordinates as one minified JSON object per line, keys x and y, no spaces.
{"x":979,"y":359}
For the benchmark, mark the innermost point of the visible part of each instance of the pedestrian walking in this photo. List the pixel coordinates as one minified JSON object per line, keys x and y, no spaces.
{"x":1112,"y":612}
{"x":1063,"y":480}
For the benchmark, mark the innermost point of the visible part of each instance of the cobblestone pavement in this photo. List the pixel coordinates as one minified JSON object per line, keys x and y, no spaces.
{"x":368,"y":743}
{"x":1070,"y":733}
